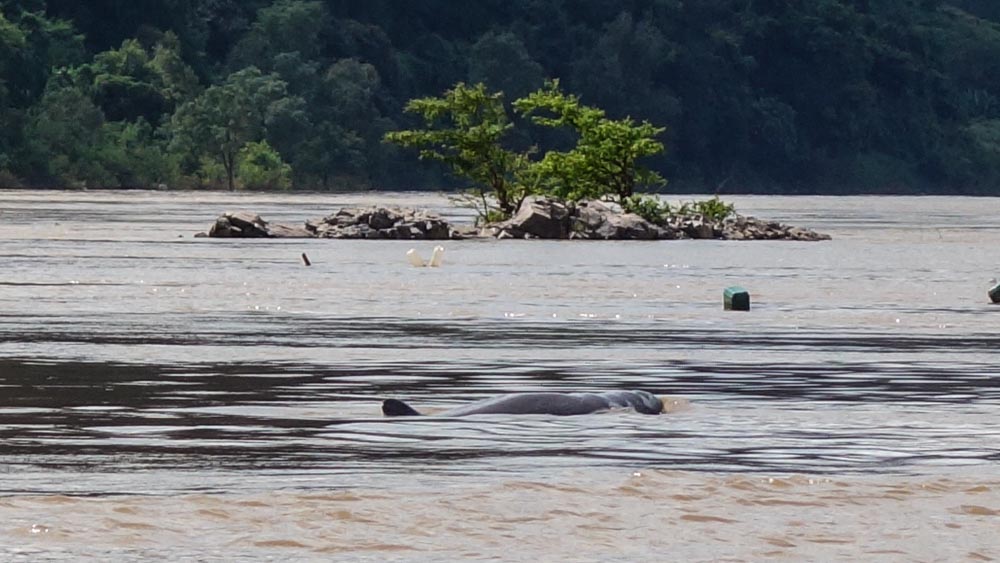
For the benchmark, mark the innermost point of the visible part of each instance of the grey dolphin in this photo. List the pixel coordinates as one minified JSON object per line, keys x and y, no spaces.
{"x":561,"y":404}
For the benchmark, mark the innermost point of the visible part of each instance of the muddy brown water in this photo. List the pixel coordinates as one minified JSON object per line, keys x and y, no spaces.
{"x":172,"y":397}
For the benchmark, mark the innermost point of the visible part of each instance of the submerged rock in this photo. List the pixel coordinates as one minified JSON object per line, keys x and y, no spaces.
{"x":751,"y":228}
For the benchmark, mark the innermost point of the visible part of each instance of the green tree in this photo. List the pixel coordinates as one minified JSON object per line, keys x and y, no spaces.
{"x":619,"y":71}
{"x":73,"y":143}
{"x":465,"y":129}
{"x":32,"y":46}
{"x":124,"y":84}
{"x":501,"y":61}
{"x":287,"y":26}
{"x":178,"y":81}
{"x":130,"y":155}
{"x":224,"y":118}
{"x":606,"y":158}
{"x":12,"y":40}
{"x":351,"y":122}
{"x":343,"y":114}
{"x":131,"y":82}
{"x":64,"y":132}
{"x":42,"y":46}
{"x":260,"y":167}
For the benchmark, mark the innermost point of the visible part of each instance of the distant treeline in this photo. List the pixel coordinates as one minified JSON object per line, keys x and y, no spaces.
{"x":828,"y":96}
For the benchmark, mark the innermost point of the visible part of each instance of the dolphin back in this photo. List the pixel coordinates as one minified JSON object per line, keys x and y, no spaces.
{"x":563,"y":404}
{"x":560,"y":404}
{"x":642,"y":401}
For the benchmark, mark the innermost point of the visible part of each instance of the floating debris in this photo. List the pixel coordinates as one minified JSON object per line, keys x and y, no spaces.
{"x":414,"y":258}
{"x":736,"y":298}
{"x":436,"y":257}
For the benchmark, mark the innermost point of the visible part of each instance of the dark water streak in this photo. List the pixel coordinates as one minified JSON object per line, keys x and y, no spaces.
{"x":105,"y":418}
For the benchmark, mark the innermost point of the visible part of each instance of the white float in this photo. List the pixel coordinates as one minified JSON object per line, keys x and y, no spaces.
{"x":415,"y":260}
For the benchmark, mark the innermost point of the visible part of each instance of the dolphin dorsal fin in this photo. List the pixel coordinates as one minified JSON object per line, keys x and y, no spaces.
{"x":393,"y":407}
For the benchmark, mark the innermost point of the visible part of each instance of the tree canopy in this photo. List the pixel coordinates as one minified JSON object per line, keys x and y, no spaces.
{"x":607,"y":155}
{"x":465,"y":129}
{"x":468,"y":129}
{"x":828,"y":96}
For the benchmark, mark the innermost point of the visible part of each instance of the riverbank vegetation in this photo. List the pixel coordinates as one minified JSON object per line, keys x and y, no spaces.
{"x":829,"y":96}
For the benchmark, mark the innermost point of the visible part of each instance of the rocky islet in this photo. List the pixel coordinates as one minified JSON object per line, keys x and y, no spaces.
{"x":536,"y":218}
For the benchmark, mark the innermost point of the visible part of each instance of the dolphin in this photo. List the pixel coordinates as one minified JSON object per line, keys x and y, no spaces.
{"x":560,"y":404}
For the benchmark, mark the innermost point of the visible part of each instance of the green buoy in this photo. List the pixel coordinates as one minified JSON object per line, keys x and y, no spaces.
{"x":736,"y":298}
{"x":995,"y":292}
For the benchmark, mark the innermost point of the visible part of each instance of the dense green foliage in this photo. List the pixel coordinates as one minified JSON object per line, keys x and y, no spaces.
{"x":659,"y":211}
{"x":826,"y":95}
{"x":468,"y":129}
{"x":605,"y":160}
{"x":465,"y":129}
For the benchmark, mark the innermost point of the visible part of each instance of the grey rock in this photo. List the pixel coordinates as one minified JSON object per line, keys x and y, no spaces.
{"x":241,"y":224}
{"x":590,"y":216}
{"x":550,"y":218}
{"x":381,"y":223}
{"x":402,"y":232}
{"x":285,"y":231}
{"x":698,"y":229}
{"x":606,"y":231}
{"x":314,"y":225}
{"x":632,"y":226}
{"x":435,"y":229}
{"x":542,"y":217}
{"x":350,"y":231}
{"x":379,"y":218}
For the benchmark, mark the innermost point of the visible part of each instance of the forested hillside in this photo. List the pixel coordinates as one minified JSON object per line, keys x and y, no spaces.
{"x":820,"y":96}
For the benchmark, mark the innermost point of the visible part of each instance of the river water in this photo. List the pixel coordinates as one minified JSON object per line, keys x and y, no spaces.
{"x":177,"y":397}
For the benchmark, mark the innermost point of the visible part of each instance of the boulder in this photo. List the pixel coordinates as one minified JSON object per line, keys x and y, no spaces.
{"x":605,"y":231}
{"x":286,"y":231}
{"x":407,"y":232}
{"x":345,"y":217}
{"x":241,"y":224}
{"x":379,"y":218}
{"x":551,"y":218}
{"x":433,"y":229}
{"x":541,"y":217}
{"x":626,"y":226}
{"x":588,"y":220}
{"x":698,"y":228}
{"x":381,"y":223}
{"x":631,"y":226}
